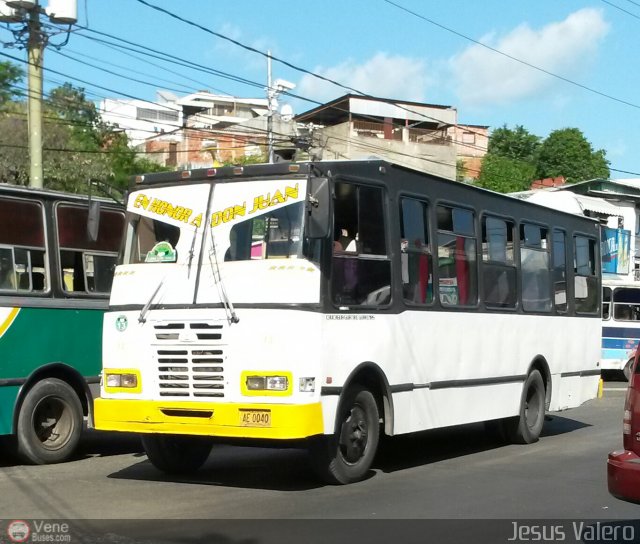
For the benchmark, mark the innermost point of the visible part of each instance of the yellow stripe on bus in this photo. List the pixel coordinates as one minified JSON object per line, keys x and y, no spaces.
{"x":8,"y":320}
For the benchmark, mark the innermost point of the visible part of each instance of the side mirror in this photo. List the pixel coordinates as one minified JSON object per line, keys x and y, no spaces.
{"x":318,"y":201}
{"x":93,"y":220}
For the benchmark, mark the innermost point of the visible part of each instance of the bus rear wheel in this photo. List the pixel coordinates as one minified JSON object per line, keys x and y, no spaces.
{"x":49,"y":423}
{"x":527,"y":426}
{"x":347,"y":455}
{"x":177,"y":454}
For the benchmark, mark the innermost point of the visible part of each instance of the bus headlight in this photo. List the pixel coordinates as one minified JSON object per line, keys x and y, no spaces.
{"x":258,"y":383}
{"x":267,"y":383}
{"x":121,"y":380}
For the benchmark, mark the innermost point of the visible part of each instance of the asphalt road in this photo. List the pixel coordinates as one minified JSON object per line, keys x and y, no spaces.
{"x":453,"y":473}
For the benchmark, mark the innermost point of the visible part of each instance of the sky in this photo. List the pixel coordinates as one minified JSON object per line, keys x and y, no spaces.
{"x":545,"y":65}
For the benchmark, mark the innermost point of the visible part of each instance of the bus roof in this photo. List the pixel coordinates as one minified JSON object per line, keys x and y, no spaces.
{"x":373,"y":169}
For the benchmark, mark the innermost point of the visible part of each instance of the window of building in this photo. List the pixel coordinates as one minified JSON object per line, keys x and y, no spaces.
{"x":361,"y":274}
{"x":457,"y":266}
{"x":468,"y":138}
{"x":415,"y":256}
{"x":498,"y":266}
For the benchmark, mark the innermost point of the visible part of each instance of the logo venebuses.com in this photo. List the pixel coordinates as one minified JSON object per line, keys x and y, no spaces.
{"x":20,"y":531}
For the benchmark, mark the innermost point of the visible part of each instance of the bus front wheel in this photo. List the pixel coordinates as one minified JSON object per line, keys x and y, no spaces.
{"x":176,"y":454}
{"x":526,"y":427}
{"x":347,"y":455}
{"x":49,"y":423}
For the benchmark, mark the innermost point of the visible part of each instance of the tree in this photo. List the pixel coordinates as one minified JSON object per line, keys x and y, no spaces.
{"x":517,"y":143}
{"x":566,"y":152}
{"x":10,"y":75}
{"x":504,"y":174}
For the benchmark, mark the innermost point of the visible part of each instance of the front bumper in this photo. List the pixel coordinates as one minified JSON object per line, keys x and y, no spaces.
{"x":623,"y":475}
{"x":288,"y":421}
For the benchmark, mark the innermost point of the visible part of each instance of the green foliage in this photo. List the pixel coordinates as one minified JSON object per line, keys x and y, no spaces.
{"x":516,"y":157}
{"x":10,"y":75}
{"x":517,"y":143}
{"x":505,"y":175}
{"x":568,"y":153}
{"x":461,"y":171}
{"x":245,"y":160}
{"x":77,"y":145}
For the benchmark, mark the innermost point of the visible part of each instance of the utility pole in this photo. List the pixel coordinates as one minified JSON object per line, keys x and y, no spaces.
{"x":35,"y":49}
{"x":29,"y":35}
{"x":274,"y":88}
{"x":270,"y":98}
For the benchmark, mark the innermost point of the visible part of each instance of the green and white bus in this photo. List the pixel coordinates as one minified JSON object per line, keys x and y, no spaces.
{"x":330,"y":302}
{"x":57,"y":256}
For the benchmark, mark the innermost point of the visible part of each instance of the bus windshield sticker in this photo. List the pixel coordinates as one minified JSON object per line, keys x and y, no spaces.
{"x":162,"y":252}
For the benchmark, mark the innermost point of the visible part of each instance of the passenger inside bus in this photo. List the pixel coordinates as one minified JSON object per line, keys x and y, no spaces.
{"x":7,"y":273}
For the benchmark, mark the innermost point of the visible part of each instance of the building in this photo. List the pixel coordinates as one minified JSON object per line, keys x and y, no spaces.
{"x":425,"y":137}
{"x":201,"y":129}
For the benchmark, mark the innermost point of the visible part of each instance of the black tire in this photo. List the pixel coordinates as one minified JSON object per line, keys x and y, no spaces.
{"x":526,"y":428}
{"x":347,"y":456}
{"x":177,"y":454}
{"x":627,"y":369}
{"x":49,"y":423}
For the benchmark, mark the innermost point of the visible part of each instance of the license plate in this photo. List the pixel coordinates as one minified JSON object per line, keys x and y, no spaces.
{"x":255,"y":418}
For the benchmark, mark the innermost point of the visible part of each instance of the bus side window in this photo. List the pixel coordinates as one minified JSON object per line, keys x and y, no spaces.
{"x":457,"y":266}
{"x":361,"y":275}
{"x":415,"y":253}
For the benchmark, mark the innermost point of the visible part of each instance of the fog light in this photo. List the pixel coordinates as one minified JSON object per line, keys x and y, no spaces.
{"x":307,"y":385}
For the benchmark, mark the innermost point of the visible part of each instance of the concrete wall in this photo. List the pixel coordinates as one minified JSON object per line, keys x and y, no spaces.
{"x":341,"y":142}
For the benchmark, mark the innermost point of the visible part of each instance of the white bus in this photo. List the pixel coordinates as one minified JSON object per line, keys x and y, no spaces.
{"x":620,"y":325}
{"x":327,"y":303}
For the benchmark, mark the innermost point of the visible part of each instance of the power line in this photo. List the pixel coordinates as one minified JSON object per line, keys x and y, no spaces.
{"x":507,"y":55}
{"x":621,"y":9}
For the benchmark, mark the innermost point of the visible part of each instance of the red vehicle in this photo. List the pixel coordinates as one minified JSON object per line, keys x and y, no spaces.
{"x":623,"y":466}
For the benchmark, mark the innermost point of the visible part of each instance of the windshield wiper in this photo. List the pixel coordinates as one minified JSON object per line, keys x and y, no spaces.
{"x":192,"y":251}
{"x":142,"y":318}
{"x":226,"y":302}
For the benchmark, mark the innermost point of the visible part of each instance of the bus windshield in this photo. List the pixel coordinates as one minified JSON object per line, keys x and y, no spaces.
{"x":276,"y":234}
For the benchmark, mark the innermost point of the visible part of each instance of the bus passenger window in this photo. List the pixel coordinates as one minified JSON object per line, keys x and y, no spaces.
{"x":361,"y":269}
{"x":586,"y":284}
{"x":457,"y":267}
{"x":498,"y":266}
{"x":415,"y":254}
{"x":534,"y":268}
{"x":7,"y":270}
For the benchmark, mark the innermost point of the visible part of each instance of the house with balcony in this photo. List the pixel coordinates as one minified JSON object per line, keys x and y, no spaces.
{"x":422,"y":136}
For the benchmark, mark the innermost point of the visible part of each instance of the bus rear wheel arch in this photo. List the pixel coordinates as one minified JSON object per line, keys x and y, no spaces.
{"x":347,"y":455}
{"x":49,"y":422}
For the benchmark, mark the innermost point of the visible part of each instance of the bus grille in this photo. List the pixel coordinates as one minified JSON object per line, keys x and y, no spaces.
{"x":190,"y":360}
